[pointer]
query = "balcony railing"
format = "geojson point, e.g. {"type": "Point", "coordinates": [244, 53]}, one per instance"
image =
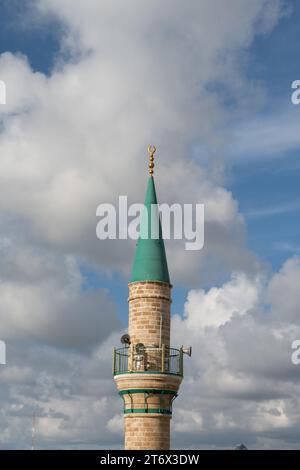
{"type": "Point", "coordinates": [162, 360]}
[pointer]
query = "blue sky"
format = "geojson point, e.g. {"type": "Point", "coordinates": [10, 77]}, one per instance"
{"type": "Point", "coordinates": [267, 189]}
{"type": "Point", "coordinates": [39, 43]}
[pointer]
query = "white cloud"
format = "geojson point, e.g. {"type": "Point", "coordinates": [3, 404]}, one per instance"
{"type": "Point", "coordinates": [287, 280]}
{"type": "Point", "coordinates": [240, 378]}
{"type": "Point", "coordinates": [78, 137]}
{"type": "Point", "coordinates": [267, 137]}
{"type": "Point", "coordinates": [239, 384]}
{"type": "Point", "coordinates": [219, 305]}
{"type": "Point", "coordinates": [188, 420]}
{"type": "Point", "coordinates": [274, 210]}
{"type": "Point", "coordinates": [116, 424]}
{"type": "Point", "coordinates": [43, 299]}
{"type": "Point", "coordinates": [71, 394]}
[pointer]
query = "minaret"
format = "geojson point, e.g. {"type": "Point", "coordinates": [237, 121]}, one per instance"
{"type": "Point", "coordinates": [147, 370]}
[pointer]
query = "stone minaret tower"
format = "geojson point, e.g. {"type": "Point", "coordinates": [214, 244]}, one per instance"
{"type": "Point", "coordinates": [147, 370]}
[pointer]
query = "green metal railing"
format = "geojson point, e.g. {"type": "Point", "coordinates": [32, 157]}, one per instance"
{"type": "Point", "coordinates": [164, 360]}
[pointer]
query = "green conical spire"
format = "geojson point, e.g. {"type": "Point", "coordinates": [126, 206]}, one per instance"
{"type": "Point", "coordinates": [150, 263]}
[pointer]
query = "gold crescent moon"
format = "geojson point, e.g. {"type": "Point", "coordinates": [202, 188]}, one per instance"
{"type": "Point", "coordinates": [151, 150]}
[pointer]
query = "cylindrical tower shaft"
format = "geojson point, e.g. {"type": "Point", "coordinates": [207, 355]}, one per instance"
{"type": "Point", "coordinates": [150, 432]}
{"type": "Point", "coordinates": [149, 313]}
{"type": "Point", "coordinates": [148, 371]}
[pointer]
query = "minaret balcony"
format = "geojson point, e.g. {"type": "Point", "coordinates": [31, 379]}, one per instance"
{"type": "Point", "coordinates": [148, 360]}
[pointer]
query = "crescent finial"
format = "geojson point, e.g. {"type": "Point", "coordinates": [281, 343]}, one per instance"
{"type": "Point", "coordinates": [151, 152]}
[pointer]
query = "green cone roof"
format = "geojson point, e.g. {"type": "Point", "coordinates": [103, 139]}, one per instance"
{"type": "Point", "coordinates": [150, 262]}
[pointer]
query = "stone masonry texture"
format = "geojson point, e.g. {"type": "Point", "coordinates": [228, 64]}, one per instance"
{"type": "Point", "coordinates": [149, 324]}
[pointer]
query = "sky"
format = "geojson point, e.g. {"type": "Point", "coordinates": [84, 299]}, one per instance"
{"type": "Point", "coordinates": [88, 88]}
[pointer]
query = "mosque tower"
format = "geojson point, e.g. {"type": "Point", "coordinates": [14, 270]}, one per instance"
{"type": "Point", "coordinates": [147, 370]}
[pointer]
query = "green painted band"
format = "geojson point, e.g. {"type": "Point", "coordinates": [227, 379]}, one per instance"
{"type": "Point", "coordinates": [148, 390]}
{"type": "Point", "coordinates": [148, 372]}
{"type": "Point", "coordinates": [162, 411]}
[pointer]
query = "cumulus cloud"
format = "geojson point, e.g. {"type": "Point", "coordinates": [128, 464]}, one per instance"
{"type": "Point", "coordinates": [287, 280]}
{"type": "Point", "coordinates": [240, 379]}
{"type": "Point", "coordinates": [239, 384]}
{"type": "Point", "coordinates": [219, 305]}
{"type": "Point", "coordinates": [76, 138]}
{"type": "Point", "coordinates": [70, 393]}
{"type": "Point", "coordinates": [43, 299]}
